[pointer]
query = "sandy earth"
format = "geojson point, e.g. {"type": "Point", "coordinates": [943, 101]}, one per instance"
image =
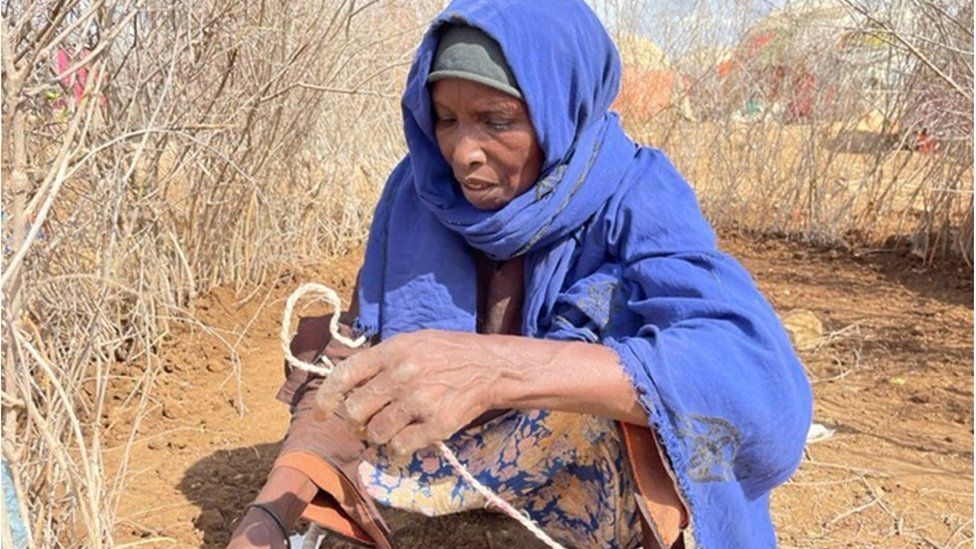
{"type": "Point", "coordinates": [893, 376]}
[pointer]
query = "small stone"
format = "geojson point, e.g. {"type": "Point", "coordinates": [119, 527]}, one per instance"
{"type": "Point", "coordinates": [919, 398]}
{"type": "Point", "coordinates": [805, 329]}
{"type": "Point", "coordinates": [209, 521]}
{"type": "Point", "coordinates": [154, 444]}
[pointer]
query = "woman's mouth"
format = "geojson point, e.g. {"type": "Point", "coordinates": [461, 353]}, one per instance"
{"type": "Point", "coordinates": [476, 185]}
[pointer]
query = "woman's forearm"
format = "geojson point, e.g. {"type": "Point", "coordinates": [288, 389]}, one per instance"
{"type": "Point", "coordinates": [559, 375]}
{"type": "Point", "coordinates": [418, 388]}
{"type": "Point", "coordinates": [286, 493]}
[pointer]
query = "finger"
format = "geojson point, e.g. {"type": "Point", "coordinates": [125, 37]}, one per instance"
{"type": "Point", "coordinates": [387, 423]}
{"type": "Point", "coordinates": [344, 377]}
{"type": "Point", "coordinates": [366, 400]}
{"type": "Point", "coordinates": [412, 438]}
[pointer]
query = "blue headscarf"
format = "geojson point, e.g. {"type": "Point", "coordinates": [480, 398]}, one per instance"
{"type": "Point", "coordinates": [616, 252]}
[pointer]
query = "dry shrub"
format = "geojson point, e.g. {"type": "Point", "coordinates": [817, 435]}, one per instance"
{"type": "Point", "coordinates": [151, 151]}
{"type": "Point", "coordinates": [845, 121]}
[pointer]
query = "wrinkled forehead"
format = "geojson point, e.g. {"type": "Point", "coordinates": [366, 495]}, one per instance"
{"type": "Point", "coordinates": [568, 75]}
{"type": "Point", "coordinates": [461, 95]}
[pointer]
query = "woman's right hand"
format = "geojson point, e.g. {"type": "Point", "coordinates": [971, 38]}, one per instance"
{"type": "Point", "coordinates": [257, 530]}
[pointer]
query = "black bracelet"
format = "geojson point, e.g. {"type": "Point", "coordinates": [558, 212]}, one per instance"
{"type": "Point", "coordinates": [281, 525]}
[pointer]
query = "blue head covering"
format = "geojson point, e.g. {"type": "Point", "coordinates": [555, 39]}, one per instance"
{"type": "Point", "coordinates": [616, 252]}
{"type": "Point", "coordinates": [568, 83]}
{"type": "Point", "coordinates": [568, 76]}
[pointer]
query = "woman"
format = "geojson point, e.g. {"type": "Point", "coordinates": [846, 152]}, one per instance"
{"type": "Point", "coordinates": [544, 296]}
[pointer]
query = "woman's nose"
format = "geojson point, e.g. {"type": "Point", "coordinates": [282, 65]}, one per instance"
{"type": "Point", "coordinates": [469, 149]}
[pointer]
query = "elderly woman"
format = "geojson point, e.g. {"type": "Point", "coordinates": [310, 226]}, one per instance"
{"type": "Point", "coordinates": [543, 295]}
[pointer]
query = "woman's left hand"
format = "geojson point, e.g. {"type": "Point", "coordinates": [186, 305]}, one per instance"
{"type": "Point", "coordinates": [415, 389]}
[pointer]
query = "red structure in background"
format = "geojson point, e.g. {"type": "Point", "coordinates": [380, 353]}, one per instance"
{"type": "Point", "coordinates": [777, 77]}
{"type": "Point", "coordinates": [645, 93]}
{"type": "Point", "coordinates": [76, 82]}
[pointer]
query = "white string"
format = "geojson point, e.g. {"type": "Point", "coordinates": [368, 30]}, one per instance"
{"type": "Point", "coordinates": [327, 294]}
{"type": "Point", "coordinates": [494, 499]}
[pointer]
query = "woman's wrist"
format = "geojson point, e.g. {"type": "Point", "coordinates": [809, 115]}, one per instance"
{"type": "Point", "coordinates": [503, 356]}
{"type": "Point", "coordinates": [287, 492]}
{"type": "Point", "coordinates": [570, 376]}
{"type": "Point", "coordinates": [530, 372]}
{"type": "Point", "coordinates": [257, 530]}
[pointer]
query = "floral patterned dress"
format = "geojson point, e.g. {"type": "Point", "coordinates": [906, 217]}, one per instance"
{"type": "Point", "coordinates": [566, 471]}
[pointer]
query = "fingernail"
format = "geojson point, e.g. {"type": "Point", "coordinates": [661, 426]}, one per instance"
{"type": "Point", "coordinates": [373, 439]}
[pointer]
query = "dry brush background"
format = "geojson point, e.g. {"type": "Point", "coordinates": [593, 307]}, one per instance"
{"type": "Point", "coordinates": [155, 149]}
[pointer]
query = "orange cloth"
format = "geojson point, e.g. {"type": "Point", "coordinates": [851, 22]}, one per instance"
{"type": "Point", "coordinates": [661, 508]}
{"type": "Point", "coordinates": [340, 505]}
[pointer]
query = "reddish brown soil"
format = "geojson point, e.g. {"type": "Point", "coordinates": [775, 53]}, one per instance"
{"type": "Point", "coordinates": [894, 378]}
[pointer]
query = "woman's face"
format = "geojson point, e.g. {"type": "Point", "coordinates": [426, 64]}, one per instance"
{"type": "Point", "coordinates": [487, 138]}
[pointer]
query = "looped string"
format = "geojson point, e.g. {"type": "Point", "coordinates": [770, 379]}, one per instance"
{"type": "Point", "coordinates": [327, 294]}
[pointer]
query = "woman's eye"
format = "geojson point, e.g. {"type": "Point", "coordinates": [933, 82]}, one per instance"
{"type": "Point", "coordinates": [444, 120]}
{"type": "Point", "coordinates": [499, 125]}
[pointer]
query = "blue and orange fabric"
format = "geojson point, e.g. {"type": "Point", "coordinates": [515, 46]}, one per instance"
{"type": "Point", "coordinates": [566, 471]}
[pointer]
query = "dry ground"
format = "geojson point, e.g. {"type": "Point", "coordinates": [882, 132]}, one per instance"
{"type": "Point", "coordinates": [893, 377]}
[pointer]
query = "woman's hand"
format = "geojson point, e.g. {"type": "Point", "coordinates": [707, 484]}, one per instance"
{"type": "Point", "coordinates": [415, 389]}
{"type": "Point", "coordinates": [419, 388]}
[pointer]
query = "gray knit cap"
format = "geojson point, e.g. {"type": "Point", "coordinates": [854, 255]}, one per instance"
{"type": "Point", "coordinates": [468, 53]}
